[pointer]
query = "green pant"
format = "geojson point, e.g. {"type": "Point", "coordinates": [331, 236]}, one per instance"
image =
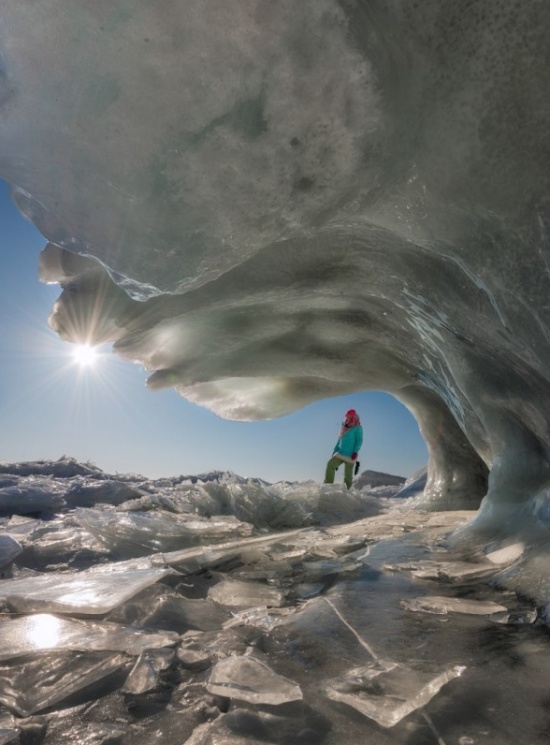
{"type": "Point", "coordinates": [333, 465]}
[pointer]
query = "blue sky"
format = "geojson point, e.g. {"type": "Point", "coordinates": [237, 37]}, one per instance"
{"type": "Point", "coordinates": [50, 406]}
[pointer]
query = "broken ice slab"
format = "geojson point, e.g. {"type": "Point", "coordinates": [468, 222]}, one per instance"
{"type": "Point", "coordinates": [9, 549]}
{"type": "Point", "coordinates": [61, 544]}
{"type": "Point", "coordinates": [31, 686]}
{"type": "Point", "coordinates": [249, 679]}
{"type": "Point", "coordinates": [315, 569]}
{"type": "Point", "coordinates": [192, 654]}
{"type": "Point", "coordinates": [516, 618]}
{"type": "Point", "coordinates": [429, 567]}
{"type": "Point", "coordinates": [237, 594]}
{"type": "Point", "coordinates": [139, 533]}
{"type": "Point", "coordinates": [86, 494]}
{"type": "Point", "coordinates": [337, 502]}
{"type": "Point", "coordinates": [160, 607]}
{"type": "Point", "coordinates": [201, 735]}
{"type": "Point", "coordinates": [386, 691]}
{"type": "Point", "coordinates": [266, 569]}
{"type": "Point", "coordinates": [21, 525]}
{"type": "Point", "coordinates": [308, 590]}
{"type": "Point", "coordinates": [86, 732]}
{"type": "Point", "coordinates": [44, 632]}
{"type": "Point", "coordinates": [90, 592]}
{"type": "Point", "coordinates": [455, 571]}
{"type": "Point", "coordinates": [246, 725]}
{"type": "Point", "coordinates": [199, 557]}
{"type": "Point", "coordinates": [442, 605]}
{"type": "Point", "coordinates": [130, 534]}
{"type": "Point", "coordinates": [452, 571]}
{"type": "Point", "coordinates": [144, 676]}
{"type": "Point", "coordinates": [260, 617]}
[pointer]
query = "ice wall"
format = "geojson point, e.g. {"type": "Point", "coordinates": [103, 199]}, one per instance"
{"type": "Point", "coordinates": [271, 203]}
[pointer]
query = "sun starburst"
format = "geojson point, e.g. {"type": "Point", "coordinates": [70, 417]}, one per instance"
{"type": "Point", "coordinates": [85, 355]}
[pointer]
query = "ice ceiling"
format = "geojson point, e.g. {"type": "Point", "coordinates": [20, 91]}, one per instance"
{"type": "Point", "coordinates": [272, 203]}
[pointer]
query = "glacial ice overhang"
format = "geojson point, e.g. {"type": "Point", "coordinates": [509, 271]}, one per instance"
{"type": "Point", "coordinates": [270, 203]}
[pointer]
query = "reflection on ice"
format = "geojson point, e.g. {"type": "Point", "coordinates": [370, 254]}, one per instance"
{"type": "Point", "coordinates": [42, 631]}
{"type": "Point", "coordinates": [37, 633]}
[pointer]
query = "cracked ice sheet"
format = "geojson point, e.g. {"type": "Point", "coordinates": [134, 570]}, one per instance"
{"type": "Point", "coordinates": [387, 692]}
{"type": "Point", "coordinates": [44, 632]}
{"type": "Point", "coordinates": [90, 592]}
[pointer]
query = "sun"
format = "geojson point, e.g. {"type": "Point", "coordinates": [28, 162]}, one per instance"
{"type": "Point", "coordinates": [85, 355]}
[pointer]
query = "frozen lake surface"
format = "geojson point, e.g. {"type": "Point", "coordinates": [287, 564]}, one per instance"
{"type": "Point", "coordinates": [157, 613]}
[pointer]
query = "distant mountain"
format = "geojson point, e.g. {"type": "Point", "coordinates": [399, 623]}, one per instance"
{"type": "Point", "coordinates": [377, 478]}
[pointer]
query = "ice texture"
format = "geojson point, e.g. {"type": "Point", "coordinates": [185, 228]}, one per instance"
{"type": "Point", "coordinates": [249, 679]}
{"type": "Point", "coordinates": [8, 735]}
{"type": "Point", "coordinates": [442, 605]}
{"type": "Point", "coordinates": [129, 534]}
{"type": "Point", "coordinates": [144, 676]}
{"type": "Point", "coordinates": [89, 592]}
{"type": "Point", "coordinates": [387, 692]}
{"type": "Point", "coordinates": [9, 549]}
{"type": "Point", "coordinates": [29, 687]}
{"type": "Point", "coordinates": [259, 634]}
{"type": "Point", "coordinates": [26, 499]}
{"type": "Point", "coordinates": [245, 594]}
{"type": "Point", "coordinates": [340, 197]}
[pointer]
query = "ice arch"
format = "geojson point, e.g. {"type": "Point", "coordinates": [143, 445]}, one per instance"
{"type": "Point", "coordinates": [270, 203]}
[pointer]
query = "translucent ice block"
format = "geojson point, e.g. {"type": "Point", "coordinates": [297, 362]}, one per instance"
{"type": "Point", "coordinates": [387, 692]}
{"type": "Point", "coordinates": [441, 605]}
{"type": "Point", "coordinates": [88, 592]}
{"type": "Point", "coordinates": [238, 594]}
{"type": "Point", "coordinates": [9, 549]}
{"type": "Point", "coordinates": [248, 679]}
{"type": "Point", "coordinates": [29, 687]}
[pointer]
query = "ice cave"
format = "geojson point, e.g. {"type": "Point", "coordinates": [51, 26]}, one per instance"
{"type": "Point", "coordinates": [340, 196]}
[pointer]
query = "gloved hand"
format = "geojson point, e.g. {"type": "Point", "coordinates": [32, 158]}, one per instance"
{"type": "Point", "coordinates": [354, 456]}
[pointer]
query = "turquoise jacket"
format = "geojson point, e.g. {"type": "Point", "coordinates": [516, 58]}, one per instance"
{"type": "Point", "coordinates": [350, 442]}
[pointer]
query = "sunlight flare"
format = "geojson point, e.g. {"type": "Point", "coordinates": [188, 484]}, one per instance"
{"type": "Point", "coordinates": [85, 355]}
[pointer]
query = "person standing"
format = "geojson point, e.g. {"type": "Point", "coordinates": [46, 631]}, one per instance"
{"type": "Point", "coordinates": [347, 449]}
